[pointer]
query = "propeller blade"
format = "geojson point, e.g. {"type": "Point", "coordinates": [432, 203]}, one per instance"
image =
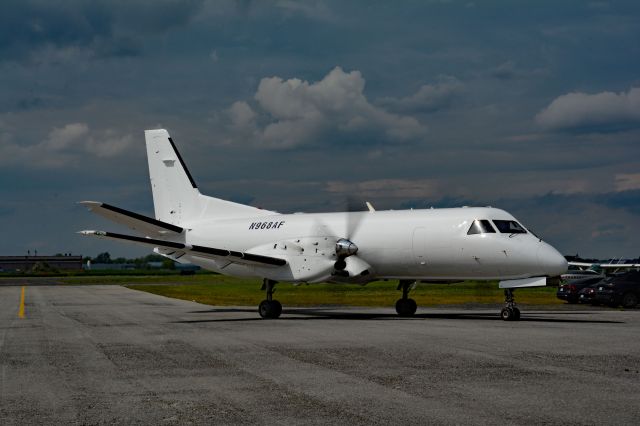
{"type": "Point", "coordinates": [356, 209]}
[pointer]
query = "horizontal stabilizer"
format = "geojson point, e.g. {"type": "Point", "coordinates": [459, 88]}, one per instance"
{"type": "Point", "coordinates": [194, 250]}
{"type": "Point", "coordinates": [525, 282]}
{"type": "Point", "coordinates": [143, 224]}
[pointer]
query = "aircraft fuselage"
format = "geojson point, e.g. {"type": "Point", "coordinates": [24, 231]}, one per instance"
{"type": "Point", "coordinates": [431, 244]}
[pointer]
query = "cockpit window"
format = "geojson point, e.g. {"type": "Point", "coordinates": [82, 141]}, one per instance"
{"type": "Point", "coordinates": [481, 227]}
{"type": "Point", "coordinates": [509, 227]}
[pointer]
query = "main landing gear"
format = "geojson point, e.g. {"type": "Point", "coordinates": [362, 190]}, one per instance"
{"type": "Point", "coordinates": [269, 308]}
{"type": "Point", "coordinates": [510, 312]}
{"type": "Point", "coordinates": [406, 307]}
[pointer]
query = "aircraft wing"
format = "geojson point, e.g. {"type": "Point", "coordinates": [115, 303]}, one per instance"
{"type": "Point", "coordinates": [606, 265]}
{"type": "Point", "coordinates": [620, 265]}
{"type": "Point", "coordinates": [143, 224]}
{"type": "Point", "coordinates": [195, 250]}
{"type": "Point", "coordinates": [582, 264]}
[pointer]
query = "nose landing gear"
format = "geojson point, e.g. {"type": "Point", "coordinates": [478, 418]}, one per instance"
{"type": "Point", "coordinates": [269, 308]}
{"type": "Point", "coordinates": [406, 307]}
{"type": "Point", "coordinates": [510, 312]}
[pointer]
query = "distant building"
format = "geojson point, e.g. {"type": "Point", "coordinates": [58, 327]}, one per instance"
{"type": "Point", "coordinates": [27, 263]}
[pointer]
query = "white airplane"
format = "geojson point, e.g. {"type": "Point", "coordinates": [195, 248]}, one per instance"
{"type": "Point", "coordinates": [434, 245]}
{"type": "Point", "coordinates": [585, 268]}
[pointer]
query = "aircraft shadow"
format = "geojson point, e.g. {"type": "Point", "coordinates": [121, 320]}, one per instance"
{"type": "Point", "coordinates": [306, 314]}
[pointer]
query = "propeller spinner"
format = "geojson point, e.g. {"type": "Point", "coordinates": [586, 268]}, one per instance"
{"type": "Point", "coordinates": [344, 249]}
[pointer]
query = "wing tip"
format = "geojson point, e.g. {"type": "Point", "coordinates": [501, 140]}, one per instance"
{"type": "Point", "coordinates": [90, 204]}
{"type": "Point", "coordinates": [91, 232]}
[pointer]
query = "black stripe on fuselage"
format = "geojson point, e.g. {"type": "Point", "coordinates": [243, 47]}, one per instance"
{"type": "Point", "coordinates": [201, 249]}
{"type": "Point", "coordinates": [184, 166]}
{"type": "Point", "coordinates": [142, 218]}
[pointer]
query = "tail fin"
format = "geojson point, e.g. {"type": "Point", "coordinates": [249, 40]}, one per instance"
{"type": "Point", "coordinates": [176, 198]}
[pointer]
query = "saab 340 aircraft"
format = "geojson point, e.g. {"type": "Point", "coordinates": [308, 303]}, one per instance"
{"type": "Point", "coordinates": [411, 246]}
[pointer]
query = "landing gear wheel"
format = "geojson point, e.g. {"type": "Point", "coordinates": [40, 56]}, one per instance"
{"type": "Point", "coordinates": [406, 307]}
{"type": "Point", "coordinates": [270, 309]}
{"type": "Point", "coordinates": [510, 312]}
{"type": "Point", "coordinates": [507, 314]}
{"type": "Point", "coordinates": [277, 306]}
{"type": "Point", "coordinates": [516, 314]}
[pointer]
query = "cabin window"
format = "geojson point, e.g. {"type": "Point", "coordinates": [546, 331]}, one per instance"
{"type": "Point", "coordinates": [481, 227]}
{"type": "Point", "coordinates": [509, 227]}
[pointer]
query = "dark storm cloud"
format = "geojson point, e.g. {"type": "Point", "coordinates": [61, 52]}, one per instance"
{"type": "Point", "coordinates": [101, 28]}
{"type": "Point", "coordinates": [624, 200]}
{"type": "Point", "coordinates": [294, 106]}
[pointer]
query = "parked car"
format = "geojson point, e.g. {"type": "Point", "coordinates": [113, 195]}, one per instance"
{"type": "Point", "coordinates": [622, 290]}
{"type": "Point", "coordinates": [569, 291]}
{"type": "Point", "coordinates": [588, 293]}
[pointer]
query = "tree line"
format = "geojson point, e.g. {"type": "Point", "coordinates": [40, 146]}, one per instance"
{"type": "Point", "coordinates": [139, 262]}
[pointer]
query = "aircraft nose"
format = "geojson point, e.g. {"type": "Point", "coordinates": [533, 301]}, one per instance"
{"type": "Point", "coordinates": [551, 261]}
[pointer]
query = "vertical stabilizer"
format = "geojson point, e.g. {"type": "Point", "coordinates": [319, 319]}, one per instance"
{"type": "Point", "coordinates": [175, 193]}
{"type": "Point", "coordinates": [176, 198]}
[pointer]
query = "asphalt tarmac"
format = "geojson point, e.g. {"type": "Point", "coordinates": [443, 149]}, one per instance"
{"type": "Point", "coordinates": [110, 355]}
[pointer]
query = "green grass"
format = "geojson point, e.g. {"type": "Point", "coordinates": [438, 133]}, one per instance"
{"type": "Point", "coordinates": [222, 290]}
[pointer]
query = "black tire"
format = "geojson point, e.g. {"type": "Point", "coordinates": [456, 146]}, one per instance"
{"type": "Point", "coordinates": [572, 300]}
{"type": "Point", "coordinates": [414, 306]}
{"type": "Point", "coordinates": [507, 314]}
{"type": "Point", "coordinates": [629, 300]}
{"type": "Point", "coordinates": [406, 307]}
{"type": "Point", "coordinates": [516, 314]}
{"type": "Point", "coordinates": [270, 309]}
{"type": "Point", "coordinates": [264, 309]}
{"type": "Point", "coordinates": [277, 308]}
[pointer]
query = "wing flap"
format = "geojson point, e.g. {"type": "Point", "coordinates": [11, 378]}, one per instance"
{"type": "Point", "coordinates": [140, 223]}
{"type": "Point", "coordinates": [202, 251]}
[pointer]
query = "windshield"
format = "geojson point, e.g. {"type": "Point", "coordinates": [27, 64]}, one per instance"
{"type": "Point", "coordinates": [509, 227]}
{"type": "Point", "coordinates": [480, 227]}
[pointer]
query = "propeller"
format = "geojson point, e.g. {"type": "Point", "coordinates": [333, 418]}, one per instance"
{"type": "Point", "coordinates": [347, 262]}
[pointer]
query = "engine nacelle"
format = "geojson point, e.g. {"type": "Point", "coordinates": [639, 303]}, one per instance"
{"type": "Point", "coordinates": [356, 267]}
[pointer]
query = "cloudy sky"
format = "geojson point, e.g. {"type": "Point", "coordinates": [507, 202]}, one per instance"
{"type": "Point", "coordinates": [294, 106]}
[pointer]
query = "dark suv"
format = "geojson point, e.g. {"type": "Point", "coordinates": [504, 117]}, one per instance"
{"type": "Point", "coordinates": [588, 294]}
{"type": "Point", "coordinates": [569, 291]}
{"type": "Point", "coordinates": [620, 290]}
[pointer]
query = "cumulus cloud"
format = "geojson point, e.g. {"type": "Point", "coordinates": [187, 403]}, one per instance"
{"type": "Point", "coordinates": [429, 98]}
{"type": "Point", "coordinates": [241, 115]}
{"type": "Point", "coordinates": [295, 112]}
{"type": "Point", "coordinates": [63, 146]}
{"type": "Point", "coordinates": [603, 111]}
